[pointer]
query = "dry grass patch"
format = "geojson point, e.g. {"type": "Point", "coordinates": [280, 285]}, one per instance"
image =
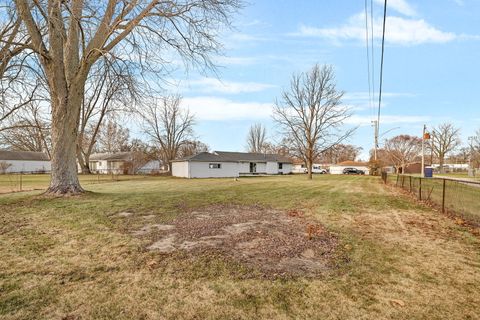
{"type": "Point", "coordinates": [276, 243]}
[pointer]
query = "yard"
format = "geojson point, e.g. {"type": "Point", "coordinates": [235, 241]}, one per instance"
{"type": "Point", "coordinates": [337, 247]}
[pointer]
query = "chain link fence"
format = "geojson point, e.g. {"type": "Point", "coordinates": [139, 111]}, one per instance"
{"type": "Point", "coordinates": [460, 197]}
{"type": "Point", "coordinates": [27, 181]}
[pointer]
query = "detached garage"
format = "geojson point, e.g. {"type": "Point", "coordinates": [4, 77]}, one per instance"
{"type": "Point", "coordinates": [221, 164]}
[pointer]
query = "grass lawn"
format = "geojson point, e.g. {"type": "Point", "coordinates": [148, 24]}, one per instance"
{"type": "Point", "coordinates": [84, 257]}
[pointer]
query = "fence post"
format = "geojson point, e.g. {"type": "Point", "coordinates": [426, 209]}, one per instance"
{"type": "Point", "coordinates": [419, 188]}
{"type": "Point", "coordinates": [396, 183]}
{"type": "Point", "coordinates": [443, 196]}
{"type": "Point", "coordinates": [410, 183]}
{"type": "Point", "coordinates": [403, 181]}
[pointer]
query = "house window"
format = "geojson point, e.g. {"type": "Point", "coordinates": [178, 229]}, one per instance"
{"type": "Point", "coordinates": [214, 165]}
{"type": "Point", "coordinates": [280, 166]}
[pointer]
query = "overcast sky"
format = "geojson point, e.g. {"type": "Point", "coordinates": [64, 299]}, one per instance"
{"type": "Point", "coordinates": [431, 67]}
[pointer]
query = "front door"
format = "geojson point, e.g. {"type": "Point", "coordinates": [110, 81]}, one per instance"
{"type": "Point", "coordinates": [253, 167]}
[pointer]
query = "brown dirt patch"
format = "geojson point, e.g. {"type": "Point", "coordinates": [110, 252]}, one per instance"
{"type": "Point", "coordinates": [274, 242]}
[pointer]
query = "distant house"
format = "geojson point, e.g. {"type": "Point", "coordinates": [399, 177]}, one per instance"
{"type": "Point", "coordinates": [300, 167]}
{"type": "Point", "coordinates": [24, 161]}
{"type": "Point", "coordinates": [111, 163]}
{"type": "Point", "coordinates": [151, 167]}
{"type": "Point", "coordinates": [339, 167]}
{"type": "Point", "coordinates": [220, 164]}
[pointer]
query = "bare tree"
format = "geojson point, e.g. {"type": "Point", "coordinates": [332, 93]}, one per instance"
{"type": "Point", "coordinates": [445, 138]}
{"type": "Point", "coordinates": [341, 152]}
{"type": "Point", "coordinates": [256, 138]}
{"type": "Point", "coordinates": [192, 147]}
{"type": "Point", "coordinates": [311, 115]}
{"type": "Point", "coordinates": [28, 130]}
{"type": "Point", "coordinates": [110, 89]}
{"type": "Point", "coordinates": [17, 85]}
{"type": "Point", "coordinates": [112, 137]}
{"type": "Point", "coordinates": [69, 37]}
{"type": "Point", "coordinates": [168, 125]}
{"type": "Point", "coordinates": [402, 150]}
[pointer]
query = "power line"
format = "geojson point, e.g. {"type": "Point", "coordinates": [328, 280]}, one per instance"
{"type": "Point", "coordinates": [372, 51]}
{"type": "Point", "coordinates": [381, 64]}
{"type": "Point", "coordinates": [368, 56]}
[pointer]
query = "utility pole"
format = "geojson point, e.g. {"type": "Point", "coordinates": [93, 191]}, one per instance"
{"type": "Point", "coordinates": [375, 147]}
{"type": "Point", "coordinates": [471, 171]}
{"type": "Point", "coordinates": [423, 150]}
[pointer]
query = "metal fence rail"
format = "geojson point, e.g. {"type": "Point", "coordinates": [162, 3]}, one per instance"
{"type": "Point", "coordinates": [26, 181]}
{"type": "Point", "coordinates": [461, 197]}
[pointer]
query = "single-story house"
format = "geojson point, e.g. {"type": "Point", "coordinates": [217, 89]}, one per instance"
{"type": "Point", "coordinates": [222, 164]}
{"type": "Point", "coordinates": [151, 167]}
{"type": "Point", "coordinates": [111, 163]}
{"type": "Point", "coordinates": [24, 161]}
{"type": "Point", "coordinates": [339, 167]}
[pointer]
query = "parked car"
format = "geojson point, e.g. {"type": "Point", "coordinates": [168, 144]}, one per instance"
{"type": "Point", "coordinates": [317, 169]}
{"type": "Point", "coordinates": [352, 171]}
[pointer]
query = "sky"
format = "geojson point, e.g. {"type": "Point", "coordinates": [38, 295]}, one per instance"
{"type": "Point", "coordinates": [431, 67]}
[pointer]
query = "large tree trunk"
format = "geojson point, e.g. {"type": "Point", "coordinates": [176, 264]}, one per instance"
{"type": "Point", "coordinates": [441, 162]}
{"type": "Point", "coordinates": [64, 177]}
{"type": "Point", "coordinates": [309, 169]}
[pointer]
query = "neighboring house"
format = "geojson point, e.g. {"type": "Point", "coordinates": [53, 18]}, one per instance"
{"type": "Point", "coordinates": [111, 163]}
{"type": "Point", "coordinates": [221, 164]}
{"type": "Point", "coordinates": [300, 167]}
{"type": "Point", "coordinates": [151, 167]}
{"type": "Point", "coordinates": [24, 161]}
{"type": "Point", "coordinates": [338, 168]}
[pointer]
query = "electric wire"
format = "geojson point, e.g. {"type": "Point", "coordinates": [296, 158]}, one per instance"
{"type": "Point", "coordinates": [367, 40]}
{"type": "Point", "coordinates": [381, 66]}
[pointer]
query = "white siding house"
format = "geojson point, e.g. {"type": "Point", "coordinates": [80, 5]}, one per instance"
{"type": "Point", "coordinates": [111, 163]}
{"type": "Point", "coordinates": [221, 164]}
{"type": "Point", "coordinates": [24, 161]}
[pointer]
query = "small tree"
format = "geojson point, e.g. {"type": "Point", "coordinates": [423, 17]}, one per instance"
{"type": "Point", "coordinates": [445, 138]}
{"type": "Point", "coordinates": [402, 150]}
{"type": "Point", "coordinates": [256, 138]}
{"type": "Point", "coordinates": [4, 167]}
{"type": "Point", "coordinates": [113, 137]}
{"type": "Point", "coordinates": [168, 125]}
{"type": "Point", "coordinates": [192, 147]}
{"type": "Point", "coordinates": [311, 115]}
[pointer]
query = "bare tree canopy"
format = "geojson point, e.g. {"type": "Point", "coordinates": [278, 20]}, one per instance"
{"type": "Point", "coordinates": [257, 138]}
{"type": "Point", "coordinates": [112, 138]}
{"type": "Point", "coordinates": [311, 115]}
{"type": "Point", "coordinates": [445, 138]}
{"type": "Point", "coordinates": [402, 150]}
{"type": "Point", "coordinates": [110, 89]}
{"type": "Point", "coordinates": [168, 125]}
{"type": "Point", "coordinates": [341, 152]}
{"type": "Point", "coordinates": [192, 147]}
{"type": "Point", "coordinates": [69, 37]}
{"type": "Point", "coordinates": [28, 130]}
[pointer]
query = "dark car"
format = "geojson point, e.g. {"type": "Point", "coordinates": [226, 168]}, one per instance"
{"type": "Point", "coordinates": [352, 171]}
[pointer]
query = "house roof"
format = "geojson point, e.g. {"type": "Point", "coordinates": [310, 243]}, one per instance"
{"type": "Point", "coordinates": [225, 156]}
{"type": "Point", "coordinates": [117, 156]}
{"type": "Point", "coordinates": [352, 163]}
{"type": "Point", "coordinates": [23, 155]}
